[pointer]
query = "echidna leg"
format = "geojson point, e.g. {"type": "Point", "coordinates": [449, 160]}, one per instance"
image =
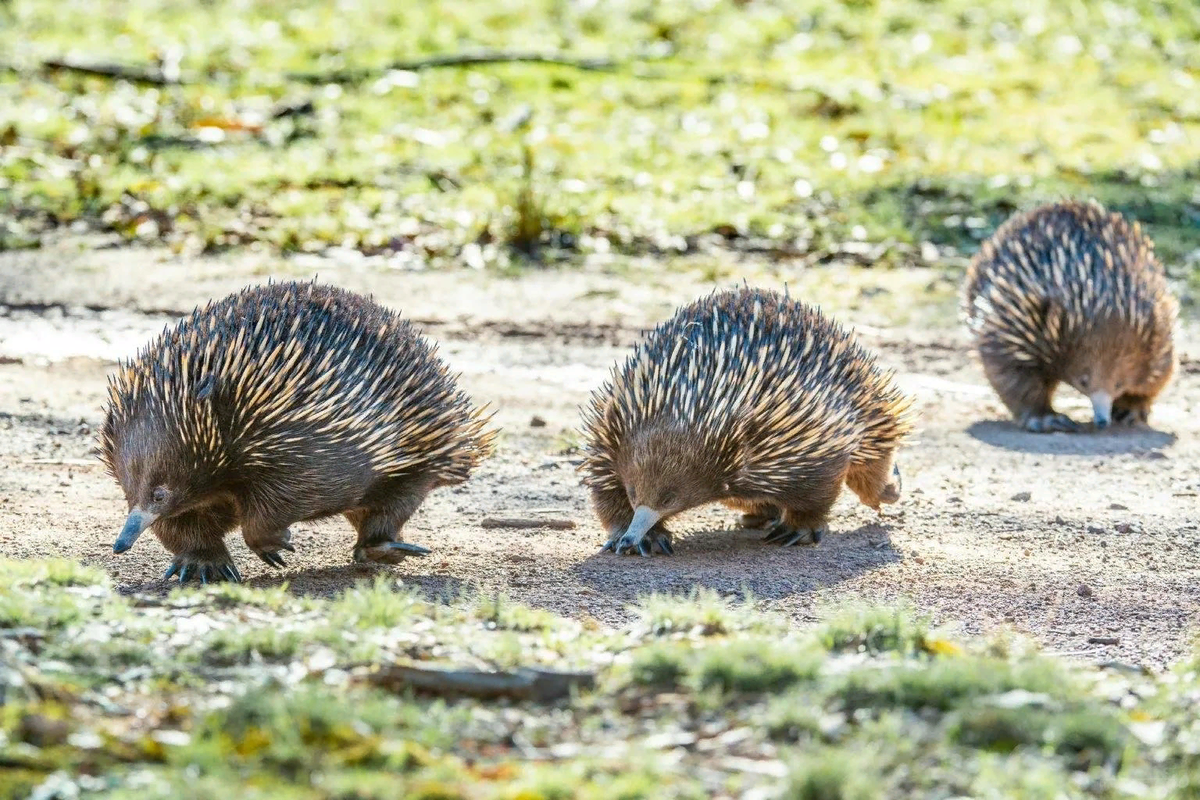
{"type": "Point", "coordinates": [379, 530]}
{"type": "Point", "coordinates": [197, 540]}
{"type": "Point", "coordinates": [806, 523]}
{"type": "Point", "coordinates": [755, 514]}
{"type": "Point", "coordinates": [875, 482]}
{"type": "Point", "coordinates": [266, 537]}
{"type": "Point", "coordinates": [1027, 394]}
{"type": "Point", "coordinates": [1131, 409]}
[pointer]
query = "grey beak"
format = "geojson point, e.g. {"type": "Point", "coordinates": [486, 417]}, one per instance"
{"type": "Point", "coordinates": [1101, 409]}
{"type": "Point", "coordinates": [137, 522]}
{"type": "Point", "coordinates": [644, 518]}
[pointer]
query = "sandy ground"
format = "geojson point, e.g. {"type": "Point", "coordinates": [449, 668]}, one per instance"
{"type": "Point", "coordinates": [1066, 538]}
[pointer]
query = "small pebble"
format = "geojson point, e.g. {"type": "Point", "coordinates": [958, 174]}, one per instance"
{"type": "Point", "coordinates": [1022, 497]}
{"type": "Point", "coordinates": [537, 422]}
{"type": "Point", "coordinates": [1124, 527]}
{"type": "Point", "coordinates": [1084, 590]}
{"type": "Point", "coordinates": [1117, 507]}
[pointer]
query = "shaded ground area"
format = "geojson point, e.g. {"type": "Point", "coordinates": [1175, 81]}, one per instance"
{"type": "Point", "coordinates": [1067, 538]}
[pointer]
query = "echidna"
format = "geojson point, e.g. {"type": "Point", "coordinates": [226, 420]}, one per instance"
{"type": "Point", "coordinates": [1070, 293]}
{"type": "Point", "coordinates": [283, 403]}
{"type": "Point", "coordinates": [748, 398]}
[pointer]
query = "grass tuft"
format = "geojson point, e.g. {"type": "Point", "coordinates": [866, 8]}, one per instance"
{"type": "Point", "coordinates": [705, 612]}
{"type": "Point", "coordinates": [874, 630]}
{"type": "Point", "coordinates": [831, 774]}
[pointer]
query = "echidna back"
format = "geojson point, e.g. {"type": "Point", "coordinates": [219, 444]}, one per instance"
{"type": "Point", "coordinates": [1064, 267]}
{"type": "Point", "coordinates": [274, 374]}
{"type": "Point", "coordinates": [752, 360]}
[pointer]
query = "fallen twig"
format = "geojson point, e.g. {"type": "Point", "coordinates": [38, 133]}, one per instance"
{"type": "Point", "coordinates": [154, 76]}
{"type": "Point", "coordinates": [1103, 640]}
{"type": "Point", "coordinates": [527, 522]}
{"type": "Point", "coordinates": [455, 60]}
{"type": "Point", "coordinates": [524, 684]}
{"type": "Point", "coordinates": [64, 462]}
{"type": "Point", "coordinates": [147, 75]}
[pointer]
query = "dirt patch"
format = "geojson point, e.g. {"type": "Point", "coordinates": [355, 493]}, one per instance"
{"type": "Point", "coordinates": [1066, 538]}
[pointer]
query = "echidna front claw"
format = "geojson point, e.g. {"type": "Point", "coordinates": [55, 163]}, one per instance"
{"type": "Point", "coordinates": [657, 539]}
{"type": "Point", "coordinates": [209, 566]}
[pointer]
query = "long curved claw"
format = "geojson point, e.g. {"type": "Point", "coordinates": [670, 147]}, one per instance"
{"type": "Point", "coordinates": [786, 536]}
{"type": "Point", "coordinates": [389, 552]}
{"type": "Point", "coordinates": [212, 569]}
{"type": "Point", "coordinates": [271, 557]}
{"type": "Point", "coordinates": [645, 546]}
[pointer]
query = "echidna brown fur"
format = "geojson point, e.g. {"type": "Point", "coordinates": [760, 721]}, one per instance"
{"type": "Point", "coordinates": [283, 403]}
{"type": "Point", "coordinates": [1071, 293]}
{"type": "Point", "coordinates": [748, 398]}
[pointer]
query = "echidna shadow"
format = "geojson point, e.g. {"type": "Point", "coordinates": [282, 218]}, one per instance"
{"type": "Point", "coordinates": [335, 578]}
{"type": "Point", "coordinates": [731, 559]}
{"type": "Point", "coordinates": [1112, 441]}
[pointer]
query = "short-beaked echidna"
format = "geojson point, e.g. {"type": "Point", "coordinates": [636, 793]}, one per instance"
{"type": "Point", "coordinates": [1070, 293]}
{"type": "Point", "coordinates": [278, 404]}
{"type": "Point", "coordinates": [751, 399]}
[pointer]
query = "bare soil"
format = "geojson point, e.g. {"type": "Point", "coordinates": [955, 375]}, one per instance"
{"type": "Point", "coordinates": [1065, 538]}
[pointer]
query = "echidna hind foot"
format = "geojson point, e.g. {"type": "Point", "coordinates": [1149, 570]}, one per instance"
{"type": "Point", "coordinates": [379, 532]}
{"type": "Point", "coordinates": [265, 540]}
{"type": "Point", "coordinates": [755, 520]}
{"type": "Point", "coordinates": [797, 527]}
{"type": "Point", "coordinates": [1047, 422]}
{"type": "Point", "coordinates": [785, 535]}
{"type": "Point", "coordinates": [1131, 410]}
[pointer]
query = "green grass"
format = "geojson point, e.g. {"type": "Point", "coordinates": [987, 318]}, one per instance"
{"type": "Point", "coordinates": [853, 132]}
{"type": "Point", "coordinates": [259, 693]}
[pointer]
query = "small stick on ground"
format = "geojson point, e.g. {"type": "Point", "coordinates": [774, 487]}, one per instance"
{"type": "Point", "coordinates": [527, 522]}
{"type": "Point", "coordinates": [456, 60]}
{"type": "Point", "coordinates": [523, 684]}
{"type": "Point", "coordinates": [122, 72]}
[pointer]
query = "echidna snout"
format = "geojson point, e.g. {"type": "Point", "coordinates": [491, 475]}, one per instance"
{"type": "Point", "coordinates": [661, 478]}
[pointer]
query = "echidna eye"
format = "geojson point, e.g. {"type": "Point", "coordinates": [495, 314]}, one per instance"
{"type": "Point", "coordinates": [668, 498]}
{"type": "Point", "coordinates": [1083, 381]}
{"type": "Point", "coordinates": [160, 495]}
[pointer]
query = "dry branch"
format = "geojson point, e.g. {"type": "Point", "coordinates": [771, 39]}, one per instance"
{"type": "Point", "coordinates": [121, 72]}
{"type": "Point", "coordinates": [527, 522]}
{"type": "Point", "coordinates": [524, 684]}
{"type": "Point", "coordinates": [455, 60]}
{"type": "Point", "coordinates": [157, 77]}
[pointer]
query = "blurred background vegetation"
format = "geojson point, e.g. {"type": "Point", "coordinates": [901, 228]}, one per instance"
{"type": "Point", "coordinates": [877, 132]}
